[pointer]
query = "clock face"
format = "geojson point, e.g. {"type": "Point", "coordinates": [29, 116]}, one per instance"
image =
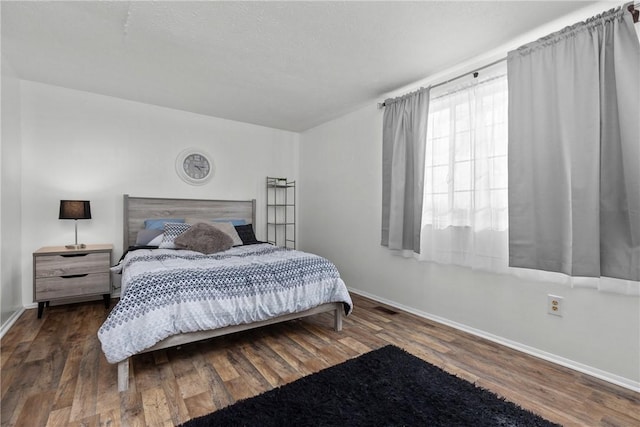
{"type": "Point", "coordinates": [194, 166]}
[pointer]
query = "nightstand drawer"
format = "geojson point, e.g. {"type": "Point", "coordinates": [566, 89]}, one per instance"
{"type": "Point", "coordinates": [68, 265]}
{"type": "Point", "coordinates": [51, 288]}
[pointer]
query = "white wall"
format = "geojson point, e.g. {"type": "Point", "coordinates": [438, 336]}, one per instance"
{"type": "Point", "coordinates": [10, 196]}
{"type": "Point", "coordinates": [81, 145]}
{"type": "Point", "coordinates": [340, 199]}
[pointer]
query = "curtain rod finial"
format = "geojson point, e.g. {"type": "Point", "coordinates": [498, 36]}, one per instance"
{"type": "Point", "coordinates": [634, 12]}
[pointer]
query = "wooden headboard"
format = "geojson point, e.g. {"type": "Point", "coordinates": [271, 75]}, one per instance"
{"type": "Point", "coordinates": [137, 209]}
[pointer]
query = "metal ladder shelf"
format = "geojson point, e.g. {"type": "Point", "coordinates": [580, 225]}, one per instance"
{"type": "Point", "coordinates": [281, 212]}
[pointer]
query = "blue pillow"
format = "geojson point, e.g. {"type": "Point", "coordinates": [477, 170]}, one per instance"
{"type": "Point", "coordinates": [233, 221]}
{"type": "Point", "coordinates": [158, 224]}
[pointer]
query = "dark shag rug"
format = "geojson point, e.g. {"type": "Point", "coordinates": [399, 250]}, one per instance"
{"type": "Point", "coordinates": [386, 387]}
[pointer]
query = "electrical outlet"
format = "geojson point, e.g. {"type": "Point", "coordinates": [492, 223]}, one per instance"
{"type": "Point", "coordinates": [554, 305]}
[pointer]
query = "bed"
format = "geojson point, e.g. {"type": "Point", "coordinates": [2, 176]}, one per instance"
{"type": "Point", "coordinates": [173, 297]}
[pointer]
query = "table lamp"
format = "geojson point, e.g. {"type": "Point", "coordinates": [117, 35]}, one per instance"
{"type": "Point", "coordinates": [75, 209]}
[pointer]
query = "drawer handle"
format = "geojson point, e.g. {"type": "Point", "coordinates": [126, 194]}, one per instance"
{"type": "Point", "coordinates": [73, 255]}
{"type": "Point", "coordinates": [71, 276]}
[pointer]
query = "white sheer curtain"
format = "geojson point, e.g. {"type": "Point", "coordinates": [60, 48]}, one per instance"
{"type": "Point", "coordinates": [465, 206]}
{"type": "Point", "coordinates": [574, 152]}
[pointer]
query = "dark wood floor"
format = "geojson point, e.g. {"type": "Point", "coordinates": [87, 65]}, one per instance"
{"type": "Point", "coordinates": [54, 372]}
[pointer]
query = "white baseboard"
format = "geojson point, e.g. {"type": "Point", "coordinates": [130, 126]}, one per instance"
{"type": "Point", "coordinates": [559, 360]}
{"type": "Point", "coordinates": [10, 321]}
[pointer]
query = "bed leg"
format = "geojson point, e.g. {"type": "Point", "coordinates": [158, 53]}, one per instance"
{"type": "Point", "coordinates": [338, 319]}
{"type": "Point", "coordinates": [123, 375]}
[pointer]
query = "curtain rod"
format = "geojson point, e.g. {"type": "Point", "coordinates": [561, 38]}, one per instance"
{"type": "Point", "coordinates": [474, 72]}
{"type": "Point", "coordinates": [631, 8]}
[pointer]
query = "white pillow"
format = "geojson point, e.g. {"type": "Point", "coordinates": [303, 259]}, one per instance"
{"type": "Point", "coordinates": [229, 229]}
{"type": "Point", "coordinates": [156, 240]}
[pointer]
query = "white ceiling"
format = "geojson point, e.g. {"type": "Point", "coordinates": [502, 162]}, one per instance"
{"type": "Point", "coordinates": [286, 65]}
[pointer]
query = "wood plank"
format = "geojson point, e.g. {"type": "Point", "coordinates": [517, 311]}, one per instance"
{"type": "Point", "coordinates": [223, 366]}
{"type": "Point", "coordinates": [19, 392]}
{"type": "Point", "coordinates": [288, 355]}
{"type": "Point", "coordinates": [250, 382]}
{"type": "Point", "coordinates": [175, 403]}
{"type": "Point", "coordinates": [285, 371]}
{"type": "Point", "coordinates": [189, 381]}
{"type": "Point", "coordinates": [262, 366]}
{"type": "Point", "coordinates": [69, 378]}
{"type": "Point", "coordinates": [86, 392]}
{"type": "Point", "coordinates": [131, 408]}
{"type": "Point", "coordinates": [12, 365]}
{"type": "Point", "coordinates": [36, 409]}
{"type": "Point", "coordinates": [199, 405]}
{"type": "Point", "coordinates": [156, 407]}
{"type": "Point", "coordinates": [110, 418]}
{"type": "Point", "coordinates": [59, 417]}
{"type": "Point", "coordinates": [356, 345]}
{"type": "Point", "coordinates": [219, 392]}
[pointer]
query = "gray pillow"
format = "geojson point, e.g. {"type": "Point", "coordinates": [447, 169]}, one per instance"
{"type": "Point", "coordinates": [147, 235]}
{"type": "Point", "coordinates": [204, 238]}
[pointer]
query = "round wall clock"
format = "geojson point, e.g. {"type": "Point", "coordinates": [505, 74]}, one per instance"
{"type": "Point", "coordinates": [194, 166]}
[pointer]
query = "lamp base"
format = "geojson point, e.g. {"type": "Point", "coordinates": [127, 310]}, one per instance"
{"type": "Point", "coordinates": [76, 246]}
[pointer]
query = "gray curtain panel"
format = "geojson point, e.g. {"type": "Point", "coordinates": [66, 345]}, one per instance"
{"type": "Point", "coordinates": [403, 147]}
{"type": "Point", "coordinates": [574, 150]}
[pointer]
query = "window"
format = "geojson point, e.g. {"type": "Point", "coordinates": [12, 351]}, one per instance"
{"type": "Point", "coordinates": [465, 184]}
{"type": "Point", "coordinates": [465, 209]}
{"type": "Point", "coordinates": [466, 157]}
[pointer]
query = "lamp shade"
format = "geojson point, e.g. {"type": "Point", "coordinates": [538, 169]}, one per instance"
{"type": "Point", "coordinates": [75, 209]}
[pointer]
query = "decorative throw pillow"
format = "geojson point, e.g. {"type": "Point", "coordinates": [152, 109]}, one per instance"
{"type": "Point", "coordinates": [171, 231]}
{"type": "Point", "coordinates": [204, 238]}
{"type": "Point", "coordinates": [228, 228]}
{"type": "Point", "coordinates": [246, 234]}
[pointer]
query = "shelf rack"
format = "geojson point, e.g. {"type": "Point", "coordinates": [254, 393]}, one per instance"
{"type": "Point", "coordinates": [281, 212]}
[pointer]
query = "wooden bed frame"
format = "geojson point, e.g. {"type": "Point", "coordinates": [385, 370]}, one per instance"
{"type": "Point", "coordinates": [137, 209]}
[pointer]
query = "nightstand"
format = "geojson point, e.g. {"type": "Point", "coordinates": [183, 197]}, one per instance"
{"type": "Point", "coordinates": [61, 273]}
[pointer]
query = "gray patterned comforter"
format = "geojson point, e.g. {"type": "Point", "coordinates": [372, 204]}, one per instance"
{"type": "Point", "coordinates": [165, 292]}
